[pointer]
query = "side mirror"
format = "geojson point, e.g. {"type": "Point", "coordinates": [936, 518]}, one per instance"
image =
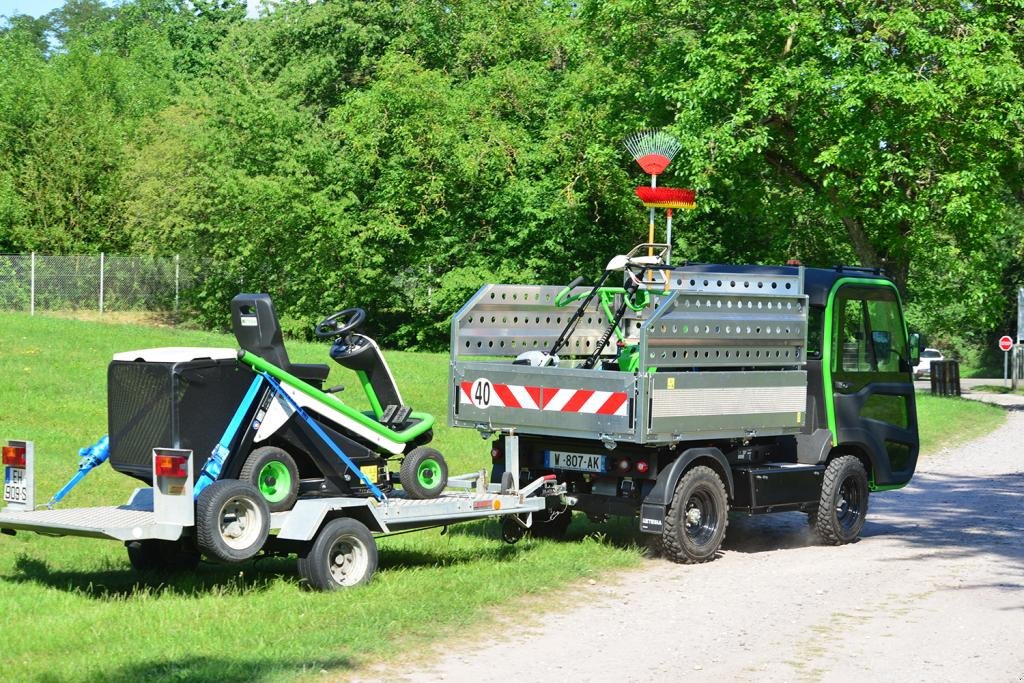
{"type": "Point", "coordinates": [915, 347]}
{"type": "Point", "coordinates": [882, 342]}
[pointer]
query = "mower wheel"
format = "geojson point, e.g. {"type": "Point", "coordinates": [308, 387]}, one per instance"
{"type": "Point", "coordinates": [844, 501]}
{"type": "Point", "coordinates": [274, 474]}
{"type": "Point", "coordinates": [696, 520]}
{"type": "Point", "coordinates": [342, 555]}
{"type": "Point", "coordinates": [424, 473]}
{"type": "Point", "coordinates": [232, 520]}
{"type": "Point", "coordinates": [155, 555]}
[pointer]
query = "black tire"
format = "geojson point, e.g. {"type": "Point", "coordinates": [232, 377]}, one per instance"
{"type": "Point", "coordinates": [155, 555]}
{"type": "Point", "coordinates": [342, 555]}
{"type": "Point", "coordinates": [274, 474]}
{"type": "Point", "coordinates": [546, 524]}
{"type": "Point", "coordinates": [695, 522]}
{"type": "Point", "coordinates": [843, 505]}
{"type": "Point", "coordinates": [424, 473]}
{"type": "Point", "coordinates": [511, 530]}
{"type": "Point", "coordinates": [232, 520]}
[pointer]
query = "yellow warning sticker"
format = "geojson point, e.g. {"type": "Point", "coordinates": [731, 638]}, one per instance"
{"type": "Point", "coordinates": [671, 382]}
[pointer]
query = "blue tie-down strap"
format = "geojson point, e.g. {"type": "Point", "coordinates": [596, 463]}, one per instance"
{"type": "Point", "coordinates": [377, 493]}
{"type": "Point", "coordinates": [211, 469]}
{"type": "Point", "coordinates": [91, 457]}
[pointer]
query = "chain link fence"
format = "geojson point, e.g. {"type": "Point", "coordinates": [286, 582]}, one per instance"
{"type": "Point", "coordinates": [45, 282]}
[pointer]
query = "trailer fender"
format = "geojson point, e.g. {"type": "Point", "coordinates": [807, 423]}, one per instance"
{"type": "Point", "coordinates": [652, 510]}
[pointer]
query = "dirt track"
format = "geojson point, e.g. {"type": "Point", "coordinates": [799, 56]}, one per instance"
{"type": "Point", "coordinates": [934, 590]}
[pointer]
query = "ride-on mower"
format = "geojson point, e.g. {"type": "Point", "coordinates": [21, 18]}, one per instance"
{"type": "Point", "coordinates": [180, 394]}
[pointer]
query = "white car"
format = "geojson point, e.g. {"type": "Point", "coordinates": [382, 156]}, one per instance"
{"type": "Point", "coordinates": [924, 365]}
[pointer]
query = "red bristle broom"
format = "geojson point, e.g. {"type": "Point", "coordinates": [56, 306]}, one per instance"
{"type": "Point", "coordinates": [654, 151]}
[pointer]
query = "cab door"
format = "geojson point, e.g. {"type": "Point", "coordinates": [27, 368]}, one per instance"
{"type": "Point", "coordinates": [867, 375]}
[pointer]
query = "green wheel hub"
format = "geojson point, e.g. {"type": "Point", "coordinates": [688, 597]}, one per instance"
{"type": "Point", "coordinates": [275, 481]}
{"type": "Point", "coordinates": [428, 473]}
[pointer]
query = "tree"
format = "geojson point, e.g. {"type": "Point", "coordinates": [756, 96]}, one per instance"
{"type": "Point", "coordinates": [876, 128]}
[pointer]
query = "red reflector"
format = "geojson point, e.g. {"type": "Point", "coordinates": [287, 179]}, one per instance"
{"type": "Point", "coordinates": [173, 466]}
{"type": "Point", "coordinates": [642, 467]}
{"type": "Point", "coordinates": [497, 454]}
{"type": "Point", "coordinates": [14, 456]}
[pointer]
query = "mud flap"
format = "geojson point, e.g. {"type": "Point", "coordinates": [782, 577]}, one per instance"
{"type": "Point", "coordinates": [652, 518]}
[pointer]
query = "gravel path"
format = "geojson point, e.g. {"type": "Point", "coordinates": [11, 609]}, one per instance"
{"type": "Point", "coordinates": [934, 590]}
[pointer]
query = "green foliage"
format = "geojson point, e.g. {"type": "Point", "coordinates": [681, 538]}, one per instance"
{"type": "Point", "coordinates": [396, 156]}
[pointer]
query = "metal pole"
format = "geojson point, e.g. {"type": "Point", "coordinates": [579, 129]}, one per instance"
{"type": "Point", "coordinates": [1006, 366]}
{"type": "Point", "coordinates": [177, 280]}
{"type": "Point", "coordinates": [32, 287]}
{"type": "Point", "coordinates": [101, 282]}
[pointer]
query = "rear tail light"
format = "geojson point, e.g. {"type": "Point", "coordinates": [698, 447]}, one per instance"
{"type": "Point", "coordinates": [14, 456]}
{"type": "Point", "coordinates": [642, 467]}
{"type": "Point", "coordinates": [497, 454]}
{"type": "Point", "coordinates": [623, 465]}
{"type": "Point", "coordinates": [173, 466]}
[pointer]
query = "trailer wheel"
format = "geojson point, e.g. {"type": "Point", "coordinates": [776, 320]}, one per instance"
{"type": "Point", "coordinates": [274, 473]}
{"type": "Point", "coordinates": [424, 473]}
{"type": "Point", "coordinates": [155, 555]}
{"type": "Point", "coordinates": [232, 520]}
{"type": "Point", "coordinates": [511, 530]}
{"type": "Point", "coordinates": [343, 554]}
{"type": "Point", "coordinates": [696, 520]}
{"type": "Point", "coordinates": [844, 501]}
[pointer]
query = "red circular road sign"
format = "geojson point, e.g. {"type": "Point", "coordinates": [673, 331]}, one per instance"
{"type": "Point", "coordinates": [1005, 343]}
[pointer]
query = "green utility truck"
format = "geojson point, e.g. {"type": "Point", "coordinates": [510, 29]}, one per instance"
{"type": "Point", "coordinates": [744, 389]}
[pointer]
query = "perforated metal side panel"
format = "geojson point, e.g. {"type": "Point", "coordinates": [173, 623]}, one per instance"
{"type": "Point", "coordinates": [506, 320]}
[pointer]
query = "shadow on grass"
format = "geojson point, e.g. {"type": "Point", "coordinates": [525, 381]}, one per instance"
{"type": "Point", "coordinates": [249, 666]}
{"type": "Point", "coordinates": [254, 576]}
{"type": "Point", "coordinates": [620, 532]}
{"type": "Point", "coordinates": [118, 583]}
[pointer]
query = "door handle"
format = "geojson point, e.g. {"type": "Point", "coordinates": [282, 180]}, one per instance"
{"type": "Point", "coordinates": [842, 386]}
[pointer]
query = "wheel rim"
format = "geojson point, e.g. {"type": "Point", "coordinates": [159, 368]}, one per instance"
{"type": "Point", "coordinates": [274, 481]}
{"type": "Point", "coordinates": [348, 560]}
{"type": "Point", "coordinates": [428, 474]}
{"type": "Point", "coordinates": [700, 517]}
{"type": "Point", "coordinates": [240, 523]}
{"type": "Point", "coordinates": [850, 503]}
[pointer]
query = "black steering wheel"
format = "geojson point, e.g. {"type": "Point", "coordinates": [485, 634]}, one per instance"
{"type": "Point", "coordinates": [340, 323]}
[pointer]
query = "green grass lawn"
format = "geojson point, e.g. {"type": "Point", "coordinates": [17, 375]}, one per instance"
{"type": "Point", "coordinates": [81, 613]}
{"type": "Point", "coordinates": [945, 421]}
{"type": "Point", "coordinates": [73, 610]}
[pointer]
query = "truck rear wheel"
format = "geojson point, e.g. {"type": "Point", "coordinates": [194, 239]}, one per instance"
{"type": "Point", "coordinates": [547, 524]}
{"type": "Point", "coordinates": [696, 520]}
{"type": "Point", "coordinates": [232, 520]}
{"type": "Point", "coordinates": [274, 473]}
{"type": "Point", "coordinates": [843, 505]}
{"type": "Point", "coordinates": [343, 555]}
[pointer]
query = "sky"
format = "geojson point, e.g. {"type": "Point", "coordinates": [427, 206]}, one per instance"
{"type": "Point", "coordinates": [37, 8]}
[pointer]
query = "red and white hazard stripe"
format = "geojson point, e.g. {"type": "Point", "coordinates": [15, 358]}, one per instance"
{"type": "Point", "coordinates": [583, 401]}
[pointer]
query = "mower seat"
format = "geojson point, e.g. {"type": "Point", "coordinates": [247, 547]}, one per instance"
{"type": "Point", "coordinates": [258, 331]}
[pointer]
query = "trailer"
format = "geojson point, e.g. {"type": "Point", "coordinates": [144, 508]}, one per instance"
{"type": "Point", "coordinates": [333, 537]}
{"type": "Point", "coordinates": [742, 389]}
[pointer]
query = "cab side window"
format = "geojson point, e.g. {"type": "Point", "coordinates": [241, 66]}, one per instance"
{"type": "Point", "coordinates": [868, 333]}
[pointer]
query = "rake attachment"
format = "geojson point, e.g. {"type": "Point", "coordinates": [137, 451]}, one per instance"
{"type": "Point", "coordinates": [653, 150]}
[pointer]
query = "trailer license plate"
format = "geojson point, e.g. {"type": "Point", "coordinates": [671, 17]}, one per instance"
{"type": "Point", "coordinates": [15, 490]}
{"type": "Point", "coordinates": [581, 462]}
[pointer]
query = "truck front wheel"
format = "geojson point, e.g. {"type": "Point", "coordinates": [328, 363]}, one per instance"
{"type": "Point", "coordinates": [696, 520]}
{"type": "Point", "coordinates": [843, 505]}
